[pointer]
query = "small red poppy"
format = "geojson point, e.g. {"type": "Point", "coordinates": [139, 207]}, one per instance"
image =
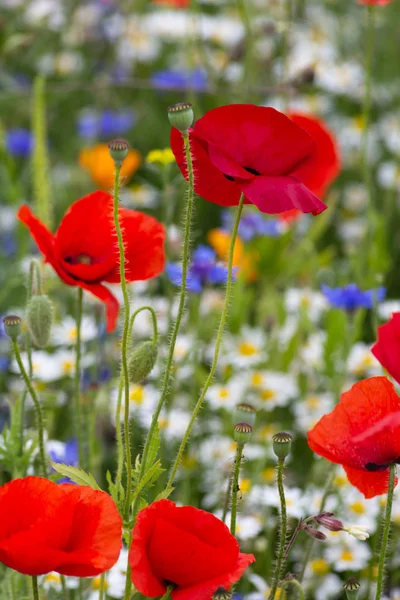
{"type": "Point", "coordinates": [185, 547]}
{"type": "Point", "coordinates": [362, 434]}
{"type": "Point", "coordinates": [84, 249]}
{"type": "Point", "coordinates": [375, 2]}
{"type": "Point", "coordinates": [71, 529]}
{"type": "Point", "coordinates": [387, 348]}
{"type": "Point", "coordinates": [253, 150]}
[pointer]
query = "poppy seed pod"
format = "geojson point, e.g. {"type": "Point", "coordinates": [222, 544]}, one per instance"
{"type": "Point", "coordinates": [242, 433]}
{"type": "Point", "coordinates": [119, 150]}
{"type": "Point", "coordinates": [181, 116]}
{"type": "Point", "coordinates": [222, 594]}
{"type": "Point", "coordinates": [281, 444]}
{"type": "Point", "coordinates": [244, 413]}
{"type": "Point", "coordinates": [12, 326]}
{"type": "Point", "coordinates": [39, 317]}
{"type": "Point", "coordinates": [352, 588]}
{"type": "Point", "coordinates": [141, 362]}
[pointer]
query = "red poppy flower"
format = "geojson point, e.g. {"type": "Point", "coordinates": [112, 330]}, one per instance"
{"type": "Point", "coordinates": [71, 529]}
{"type": "Point", "coordinates": [387, 348]}
{"type": "Point", "coordinates": [375, 2]}
{"type": "Point", "coordinates": [320, 172]}
{"type": "Point", "coordinates": [252, 150]}
{"type": "Point", "coordinates": [84, 249]}
{"type": "Point", "coordinates": [185, 547]}
{"type": "Point", "coordinates": [362, 434]}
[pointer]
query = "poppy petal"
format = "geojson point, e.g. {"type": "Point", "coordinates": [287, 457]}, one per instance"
{"type": "Point", "coordinates": [42, 236]}
{"type": "Point", "coordinates": [387, 348]}
{"type": "Point", "coordinates": [209, 182]}
{"type": "Point", "coordinates": [370, 484]}
{"type": "Point", "coordinates": [110, 301]}
{"type": "Point", "coordinates": [273, 195]}
{"type": "Point", "coordinates": [256, 137]}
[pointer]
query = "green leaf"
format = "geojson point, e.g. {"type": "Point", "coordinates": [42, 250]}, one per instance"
{"type": "Point", "coordinates": [149, 478]}
{"type": "Point", "coordinates": [153, 447]}
{"type": "Point", "coordinates": [76, 475]}
{"type": "Point", "coordinates": [164, 494]}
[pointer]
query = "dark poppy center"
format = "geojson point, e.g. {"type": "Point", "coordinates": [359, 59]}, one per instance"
{"type": "Point", "coordinates": [372, 467]}
{"type": "Point", "coordinates": [170, 584]}
{"type": "Point", "coordinates": [80, 259]}
{"type": "Point", "coordinates": [252, 171]}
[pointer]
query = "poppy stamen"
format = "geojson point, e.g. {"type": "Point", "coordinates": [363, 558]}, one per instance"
{"type": "Point", "coordinates": [252, 171]}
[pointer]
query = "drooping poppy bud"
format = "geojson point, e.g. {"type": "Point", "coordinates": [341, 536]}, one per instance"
{"type": "Point", "coordinates": [39, 318]}
{"type": "Point", "coordinates": [142, 360]}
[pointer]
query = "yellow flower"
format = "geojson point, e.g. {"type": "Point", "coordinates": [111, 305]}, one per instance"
{"type": "Point", "coordinates": [98, 162]}
{"type": "Point", "coordinates": [164, 157]}
{"type": "Point", "coordinates": [246, 262]}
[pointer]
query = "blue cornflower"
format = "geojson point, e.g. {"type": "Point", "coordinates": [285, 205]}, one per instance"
{"type": "Point", "coordinates": [204, 269]}
{"type": "Point", "coordinates": [350, 297]}
{"type": "Point", "coordinates": [196, 79]}
{"type": "Point", "coordinates": [19, 142]}
{"type": "Point", "coordinates": [106, 124]}
{"type": "Point", "coordinates": [8, 244]}
{"type": "Point", "coordinates": [64, 453]}
{"type": "Point", "coordinates": [253, 225]}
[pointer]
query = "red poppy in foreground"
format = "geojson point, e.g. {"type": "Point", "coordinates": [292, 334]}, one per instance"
{"type": "Point", "coordinates": [185, 547]}
{"type": "Point", "coordinates": [362, 434]}
{"type": "Point", "coordinates": [84, 249]}
{"type": "Point", "coordinates": [253, 150]}
{"type": "Point", "coordinates": [387, 348]}
{"type": "Point", "coordinates": [71, 529]}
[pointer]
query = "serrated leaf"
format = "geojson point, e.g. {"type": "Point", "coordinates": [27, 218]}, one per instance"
{"type": "Point", "coordinates": [117, 492]}
{"type": "Point", "coordinates": [153, 447]}
{"type": "Point", "coordinates": [76, 475]}
{"type": "Point", "coordinates": [149, 478]}
{"type": "Point", "coordinates": [164, 494]}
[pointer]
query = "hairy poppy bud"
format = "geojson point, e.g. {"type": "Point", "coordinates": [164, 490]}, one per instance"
{"type": "Point", "coordinates": [119, 150]}
{"type": "Point", "coordinates": [39, 317]}
{"type": "Point", "coordinates": [352, 588]}
{"type": "Point", "coordinates": [327, 520]}
{"type": "Point", "coordinates": [181, 116]}
{"type": "Point", "coordinates": [244, 413]}
{"type": "Point", "coordinates": [222, 594]}
{"type": "Point", "coordinates": [314, 533]}
{"type": "Point", "coordinates": [141, 361]}
{"type": "Point", "coordinates": [242, 433]}
{"type": "Point", "coordinates": [12, 326]}
{"type": "Point", "coordinates": [281, 444]}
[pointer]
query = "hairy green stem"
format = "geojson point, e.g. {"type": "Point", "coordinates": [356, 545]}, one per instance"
{"type": "Point", "coordinates": [218, 341]}
{"type": "Point", "coordinates": [296, 584]}
{"type": "Point", "coordinates": [77, 381]}
{"type": "Point", "coordinates": [128, 582]}
{"type": "Point", "coordinates": [102, 586]}
{"type": "Point", "coordinates": [282, 532]}
{"type": "Point", "coordinates": [120, 388]}
{"type": "Point", "coordinates": [35, 588]}
{"type": "Point", "coordinates": [181, 308]}
{"type": "Point", "coordinates": [386, 530]}
{"type": "Point", "coordinates": [235, 487]}
{"type": "Point", "coordinates": [124, 349]}
{"type": "Point", "coordinates": [38, 408]}
{"type": "Point", "coordinates": [227, 498]}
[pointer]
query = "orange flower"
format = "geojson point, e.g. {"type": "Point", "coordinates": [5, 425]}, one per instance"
{"type": "Point", "coordinates": [245, 261]}
{"type": "Point", "coordinates": [98, 162]}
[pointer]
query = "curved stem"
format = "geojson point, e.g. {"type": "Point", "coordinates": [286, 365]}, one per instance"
{"type": "Point", "coordinates": [124, 349]}
{"type": "Point", "coordinates": [235, 487]}
{"type": "Point", "coordinates": [77, 380]}
{"type": "Point", "coordinates": [296, 584]}
{"type": "Point", "coordinates": [282, 532]}
{"type": "Point", "coordinates": [39, 415]}
{"type": "Point", "coordinates": [120, 388]}
{"type": "Point", "coordinates": [218, 341]}
{"type": "Point", "coordinates": [181, 307]}
{"type": "Point", "coordinates": [386, 530]}
{"type": "Point", "coordinates": [35, 587]}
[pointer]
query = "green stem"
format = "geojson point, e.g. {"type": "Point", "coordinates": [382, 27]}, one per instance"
{"type": "Point", "coordinates": [167, 593]}
{"type": "Point", "coordinates": [218, 341]}
{"type": "Point", "coordinates": [327, 491]}
{"type": "Point", "coordinates": [386, 530]}
{"type": "Point", "coordinates": [235, 487]}
{"type": "Point", "coordinates": [120, 388]}
{"type": "Point", "coordinates": [39, 415]}
{"type": "Point", "coordinates": [227, 498]}
{"type": "Point", "coordinates": [367, 98]}
{"type": "Point", "coordinates": [124, 350]}
{"type": "Point", "coordinates": [282, 532]}
{"type": "Point", "coordinates": [181, 308]}
{"type": "Point", "coordinates": [296, 584]}
{"type": "Point", "coordinates": [77, 380]}
{"type": "Point", "coordinates": [128, 582]}
{"type": "Point", "coordinates": [64, 587]}
{"type": "Point", "coordinates": [102, 586]}
{"type": "Point", "coordinates": [35, 587]}
{"type": "Point", "coordinates": [243, 6]}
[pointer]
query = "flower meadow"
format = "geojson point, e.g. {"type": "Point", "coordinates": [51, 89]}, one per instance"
{"type": "Point", "coordinates": [199, 301]}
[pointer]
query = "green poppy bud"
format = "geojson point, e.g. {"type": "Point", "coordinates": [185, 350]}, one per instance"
{"type": "Point", "coordinates": [352, 588]}
{"type": "Point", "coordinates": [119, 150]}
{"type": "Point", "coordinates": [281, 444]}
{"type": "Point", "coordinates": [242, 433]}
{"type": "Point", "coordinates": [141, 361]}
{"type": "Point", "coordinates": [181, 116]}
{"type": "Point", "coordinates": [244, 413]}
{"type": "Point", "coordinates": [12, 326]}
{"type": "Point", "coordinates": [39, 318]}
